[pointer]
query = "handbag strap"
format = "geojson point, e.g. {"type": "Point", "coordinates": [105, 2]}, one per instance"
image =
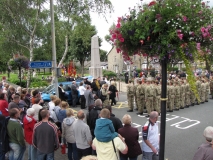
{"type": "Point", "coordinates": [114, 149]}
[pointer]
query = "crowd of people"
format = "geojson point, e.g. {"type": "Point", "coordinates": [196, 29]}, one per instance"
{"type": "Point", "coordinates": [95, 130]}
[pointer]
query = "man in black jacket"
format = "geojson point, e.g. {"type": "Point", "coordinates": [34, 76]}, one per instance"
{"type": "Point", "coordinates": [116, 121]}
{"type": "Point", "coordinates": [93, 115]}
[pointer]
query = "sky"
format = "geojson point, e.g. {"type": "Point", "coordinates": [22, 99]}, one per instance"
{"type": "Point", "coordinates": [120, 8]}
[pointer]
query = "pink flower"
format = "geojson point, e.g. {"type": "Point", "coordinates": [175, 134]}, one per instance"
{"type": "Point", "coordinates": [118, 25]}
{"type": "Point", "coordinates": [119, 36]}
{"type": "Point", "coordinates": [119, 19]}
{"type": "Point", "coordinates": [118, 50]}
{"type": "Point", "coordinates": [198, 46]}
{"type": "Point", "coordinates": [180, 36]}
{"type": "Point", "coordinates": [178, 31]}
{"type": "Point", "coordinates": [121, 39]}
{"type": "Point", "coordinates": [152, 3]}
{"type": "Point", "coordinates": [114, 36]}
{"type": "Point", "coordinates": [202, 29]}
{"type": "Point", "coordinates": [184, 18]}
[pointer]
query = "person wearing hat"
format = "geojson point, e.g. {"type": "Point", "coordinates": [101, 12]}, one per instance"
{"type": "Point", "coordinates": [149, 97]}
{"type": "Point", "coordinates": [130, 96]}
{"type": "Point", "coordinates": [182, 95]}
{"type": "Point", "coordinates": [205, 151]}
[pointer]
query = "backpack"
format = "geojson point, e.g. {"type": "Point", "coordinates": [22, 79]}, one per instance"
{"type": "Point", "coordinates": [4, 138]}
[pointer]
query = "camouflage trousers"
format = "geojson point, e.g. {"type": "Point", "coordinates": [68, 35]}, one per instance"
{"type": "Point", "coordinates": [192, 97]}
{"type": "Point", "coordinates": [130, 99]}
{"type": "Point", "coordinates": [106, 102]}
{"type": "Point", "coordinates": [187, 98]}
{"type": "Point", "coordinates": [177, 102]}
{"type": "Point", "coordinates": [136, 101]}
{"type": "Point", "coordinates": [149, 104]}
{"type": "Point", "coordinates": [140, 103]}
{"type": "Point", "coordinates": [157, 104]}
{"type": "Point", "coordinates": [202, 97]}
{"type": "Point", "coordinates": [182, 100]}
{"type": "Point", "coordinates": [207, 95]}
{"type": "Point", "coordinates": [171, 103]}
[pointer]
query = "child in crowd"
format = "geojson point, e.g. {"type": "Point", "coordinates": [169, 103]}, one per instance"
{"type": "Point", "coordinates": [104, 129]}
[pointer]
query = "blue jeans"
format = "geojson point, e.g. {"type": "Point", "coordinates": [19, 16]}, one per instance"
{"type": "Point", "coordinates": [45, 156]}
{"type": "Point", "coordinates": [72, 151]}
{"type": "Point", "coordinates": [149, 156]}
{"type": "Point", "coordinates": [32, 153]}
{"type": "Point", "coordinates": [16, 152]}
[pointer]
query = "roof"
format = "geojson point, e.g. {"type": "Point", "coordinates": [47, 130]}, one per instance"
{"type": "Point", "coordinates": [110, 50]}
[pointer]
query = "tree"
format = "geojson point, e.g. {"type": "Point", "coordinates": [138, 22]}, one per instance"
{"type": "Point", "coordinates": [103, 55]}
{"type": "Point", "coordinates": [20, 20]}
{"type": "Point", "coordinates": [80, 43]}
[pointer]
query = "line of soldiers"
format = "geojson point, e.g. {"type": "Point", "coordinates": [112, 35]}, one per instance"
{"type": "Point", "coordinates": [147, 94]}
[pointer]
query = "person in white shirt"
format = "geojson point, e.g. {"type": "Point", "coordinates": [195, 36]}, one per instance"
{"type": "Point", "coordinates": [82, 89]}
{"type": "Point", "coordinates": [150, 132]}
{"type": "Point", "coordinates": [51, 103]}
{"type": "Point", "coordinates": [36, 107]}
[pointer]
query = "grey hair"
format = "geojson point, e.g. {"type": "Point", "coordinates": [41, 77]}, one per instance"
{"type": "Point", "coordinates": [127, 119]}
{"type": "Point", "coordinates": [208, 133]}
{"type": "Point", "coordinates": [98, 102]}
{"type": "Point", "coordinates": [153, 114]}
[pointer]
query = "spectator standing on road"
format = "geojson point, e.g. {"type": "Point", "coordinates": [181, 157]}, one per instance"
{"type": "Point", "coordinates": [74, 93]}
{"type": "Point", "coordinates": [116, 121]}
{"type": "Point", "coordinates": [36, 94]}
{"type": "Point", "coordinates": [45, 137]}
{"type": "Point", "coordinates": [51, 103]}
{"type": "Point", "coordinates": [36, 107]}
{"type": "Point", "coordinates": [10, 92]}
{"type": "Point", "coordinates": [93, 115]}
{"type": "Point", "coordinates": [131, 136]}
{"type": "Point", "coordinates": [61, 92]}
{"type": "Point", "coordinates": [105, 95]}
{"type": "Point", "coordinates": [112, 95]}
{"type": "Point", "coordinates": [94, 87]}
{"type": "Point", "coordinates": [205, 151]}
{"type": "Point", "coordinates": [60, 109]}
{"type": "Point", "coordinates": [29, 123]}
{"type": "Point", "coordinates": [3, 105]}
{"type": "Point", "coordinates": [16, 135]}
{"type": "Point", "coordinates": [87, 82]}
{"type": "Point", "coordinates": [82, 89]}
{"type": "Point", "coordinates": [150, 144]}
{"type": "Point", "coordinates": [68, 134]}
{"type": "Point", "coordinates": [89, 97]}
{"type": "Point", "coordinates": [82, 136]}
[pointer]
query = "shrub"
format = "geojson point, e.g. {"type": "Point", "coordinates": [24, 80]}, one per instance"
{"type": "Point", "coordinates": [39, 84]}
{"type": "Point", "coordinates": [62, 79]}
{"type": "Point", "coordinates": [108, 73]}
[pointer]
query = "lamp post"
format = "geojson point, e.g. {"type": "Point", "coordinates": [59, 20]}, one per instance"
{"type": "Point", "coordinates": [55, 77]}
{"type": "Point", "coordinates": [163, 108]}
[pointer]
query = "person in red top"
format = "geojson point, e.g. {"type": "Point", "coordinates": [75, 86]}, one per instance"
{"type": "Point", "coordinates": [3, 105]}
{"type": "Point", "coordinates": [29, 123]}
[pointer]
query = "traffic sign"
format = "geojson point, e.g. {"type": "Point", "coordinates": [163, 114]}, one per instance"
{"type": "Point", "coordinates": [40, 64]}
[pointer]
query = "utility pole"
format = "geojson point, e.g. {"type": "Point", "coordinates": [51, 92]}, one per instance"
{"type": "Point", "coordinates": [54, 68]}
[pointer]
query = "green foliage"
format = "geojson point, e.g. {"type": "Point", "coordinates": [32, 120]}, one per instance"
{"type": "Point", "coordinates": [108, 73]}
{"type": "Point", "coordinates": [62, 79]}
{"type": "Point", "coordinates": [16, 81]}
{"type": "Point", "coordinates": [172, 68]}
{"type": "Point", "coordinates": [38, 84]}
{"type": "Point", "coordinates": [103, 55]}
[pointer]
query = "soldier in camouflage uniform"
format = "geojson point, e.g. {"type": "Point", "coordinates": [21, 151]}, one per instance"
{"type": "Point", "coordinates": [203, 90]}
{"type": "Point", "coordinates": [211, 87]}
{"type": "Point", "coordinates": [140, 92]}
{"type": "Point", "coordinates": [130, 95]}
{"type": "Point", "coordinates": [158, 95]}
{"type": "Point", "coordinates": [182, 95]}
{"type": "Point", "coordinates": [105, 94]}
{"type": "Point", "coordinates": [198, 86]}
{"type": "Point", "coordinates": [149, 97]}
{"type": "Point", "coordinates": [192, 96]}
{"type": "Point", "coordinates": [136, 100]}
{"type": "Point", "coordinates": [187, 94]}
{"type": "Point", "coordinates": [171, 96]}
{"type": "Point", "coordinates": [167, 93]}
{"type": "Point", "coordinates": [177, 95]}
{"type": "Point", "coordinates": [207, 89]}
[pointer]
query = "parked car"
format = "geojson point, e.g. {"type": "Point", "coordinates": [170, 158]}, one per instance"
{"type": "Point", "coordinates": [67, 89]}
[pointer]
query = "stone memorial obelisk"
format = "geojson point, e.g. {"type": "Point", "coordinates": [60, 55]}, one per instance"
{"type": "Point", "coordinates": [95, 70]}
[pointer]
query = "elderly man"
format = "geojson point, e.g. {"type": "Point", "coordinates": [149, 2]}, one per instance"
{"type": "Point", "coordinates": [150, 144]}
{"type": "Point", "coordinates": [82, 136]}
{"type": "Point", "coordinates": [14, 103]}
{"type": "Point", "coordinates": [89, 96]}
{"type": "Point", "coordinates": [74, 93]}
{"type": "Point", "coordinates": [205, 151]}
